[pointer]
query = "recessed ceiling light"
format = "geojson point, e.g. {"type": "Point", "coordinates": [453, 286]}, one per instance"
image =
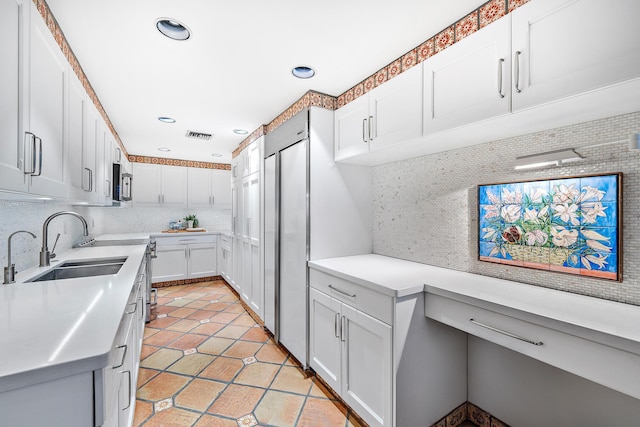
{"type": "Point", "coordinates": [166, 120]}
{"type": "Point", "coordinates": [303, 72]}
{"type": "Point", "coordinates": [240, 131]}
{"type": "Point", "coordinates": [216, 155]}
{"type": "Point", "coordinates": [173, 29]}
{"type": "Point", "coordinates": [164, 149]}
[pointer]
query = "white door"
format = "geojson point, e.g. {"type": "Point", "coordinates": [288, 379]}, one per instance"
{"type": "Point", "coordinates": [395, 110]}
{"type": "Point", "coordinates": [202, 260]}
{"type": "Point", "coordinates": [170, 263]}
{"type": "Point", "coordinates": [367, 367]}
{"type": "Point", "coordinates": [12, 140]}
{"type": "Point", "coordinates": [147, 180]}
{"type": "Point", "coordinates": [221, 189]}
{"type": "Point", "coordinates": [174, 186]}
{"type": "Point", "coordinates": [469, 81]}
{"type": "Point", "coordinates": [352, 128]}
{"type": "Point", "coordinates": [199, 186]}
{"type": "Point", "coordinates": [293, 250]}
{"type": "Point", "coordinates": [48, 77]}
{"type": "Point", "coordinates": [562, 48]}
{"type": "Point", "coordinates": [325, 345]}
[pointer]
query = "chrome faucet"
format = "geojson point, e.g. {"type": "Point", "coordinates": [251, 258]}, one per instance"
{"type": "Point", "coordinates": [45, 256]}
{"type": "Point", "coordinates": [10, 269]}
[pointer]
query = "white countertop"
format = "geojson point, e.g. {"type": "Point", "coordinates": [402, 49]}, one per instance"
{"type": "Point", "coordinates": [614, 322]}
{"type": "Point", "coordinates": [150, 234]}
{"type": "Point", "coordinates": [58, 328]}
{"type": "Point", "coordinates": [390, 276]}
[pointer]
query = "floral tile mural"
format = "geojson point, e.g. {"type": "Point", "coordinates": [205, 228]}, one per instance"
{"type": "Point", "coordinates": [568, 225]}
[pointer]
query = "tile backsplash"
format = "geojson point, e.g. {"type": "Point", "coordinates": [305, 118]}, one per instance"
{"type": "Point", "coordinates": [425, 209]}
{"type": "Point", "coordinates": [30, 216]}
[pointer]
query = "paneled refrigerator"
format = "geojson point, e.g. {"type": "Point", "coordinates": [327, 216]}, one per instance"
{"type": "Point", "coordinates": [314, 208]}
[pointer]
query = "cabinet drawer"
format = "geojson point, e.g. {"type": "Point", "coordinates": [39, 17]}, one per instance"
{"type": "Point", "coordinates": [366, 300]}
{"type": "Point", "coordinates": [185, 239]}
{"type": "Point", "coordinates": [589, 359]}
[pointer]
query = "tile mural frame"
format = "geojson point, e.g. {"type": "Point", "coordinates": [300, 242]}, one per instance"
{"type": "Point", "coordinates": [569, 224]}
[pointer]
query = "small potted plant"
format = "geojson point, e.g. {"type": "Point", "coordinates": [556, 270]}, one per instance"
{"type": "Point", "coordinates": [192, 221]}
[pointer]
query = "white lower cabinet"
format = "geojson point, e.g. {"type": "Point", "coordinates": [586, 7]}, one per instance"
{"type": "Point", "coordinates": [180, 258]}
{"type": "Point", "coordinates": [226, 258]}
{"type": "Point", "coordinates": [352, 352]}
{"type": "Point", "coordinates": [377, 351]}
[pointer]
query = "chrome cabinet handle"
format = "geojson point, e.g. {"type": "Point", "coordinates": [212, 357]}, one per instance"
{"type": "Point", "coordinates": [342, 292]}
{"type": "Point", "coordinates": [364, 124]}
{"type": "Point", "coordinates": [87, 170]}
{"type": "Point", "coordinates": [135, 304]}
{"type": "Point", "coordinates": [124, 355]}
{"type": "Point", "coordinates": [370, 122]}
{"type": "Point", "coordinates": [516, 70]}
{"type": "Point", "coordinates": [509, 334]}
{"type": "Point", "coordinates": [129, 382]}
{"type": "Point", "coordinates": [39, 156]}
{"type": "Point", "coordinates": [500, 65]}
{"type": "Point", "coordinates": [154, 293]}
{"type": "Point", "coordinates": [33, 153]}
{"type": "Point", "coordinates": [90, 180]}
{"type": "Point", "coordinates": [336, 329]}
{"type": "Point", "coordinates": [342, 329]}
{"type": "Point", "coordinates": [119, 156]}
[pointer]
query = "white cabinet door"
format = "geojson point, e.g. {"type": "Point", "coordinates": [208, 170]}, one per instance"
{"type": "Point", "coordinates": [13, 19]}
{"type": "Point", "coordinates": [221, 188]}
{"type": "Point", "coordinates": [367, 366]}
{"type": "Point", "coordinates": [252, 158]}
{"type": "Point", "coordinates": [76, 140]}
{"type": "Point", "coordinates": [395, 110]}
{"type": "Point", "coordinates": [469, 81]}
{"type": "Point", "coordinates": [325, 347]}
{"type": "Point", "coordinates": [47, 78]}
{"type": "Point", "coordinates": [202, 260]}
{"type": "Point", "coordinates": [238, 166]}
{"type": "Point", "coordinates": [226, 264]}
{"type": "Point", "coordinates": [170, 264]}
{"type": "Point", "coordinates": [352, 129]}
{"type": "Point", "coordinates": [174, 186]}
{"type": "Point", "coordinates": [199, 187]}
{"type": "Point", "coordinates": [104, 164]}
{"type": "Point", "coordinates": [147, 190]}
{"type": "Point", "coordinates": [237, 270]}
{"type": "Point", "coordinates": [90, 151]}
{"type": "Point", "coordinates": [251, 197]}
{"type": "Point", "coordinates": [562, 48]}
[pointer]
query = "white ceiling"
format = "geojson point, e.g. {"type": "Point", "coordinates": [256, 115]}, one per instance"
{"type": "Point", "coordinates": [234, 71]}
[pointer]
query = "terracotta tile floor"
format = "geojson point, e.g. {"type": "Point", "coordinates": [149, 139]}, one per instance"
{"type": "Point", "coordinates": [205, 362]}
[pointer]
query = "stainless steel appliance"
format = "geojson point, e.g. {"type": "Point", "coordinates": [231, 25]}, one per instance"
{"type": "Point", "coordinates": [122, 184]}
{"type": "Point", "coordinates": [150, 253]}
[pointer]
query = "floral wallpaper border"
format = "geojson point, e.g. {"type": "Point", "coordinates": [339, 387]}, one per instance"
{"type": "Point", "coordinates": [178, 162]}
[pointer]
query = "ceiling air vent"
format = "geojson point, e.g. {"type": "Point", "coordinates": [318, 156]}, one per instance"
{"type": "Point", "coordinates": [198, 135]}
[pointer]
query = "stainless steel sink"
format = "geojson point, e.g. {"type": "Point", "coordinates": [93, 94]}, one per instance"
{"type": "Point", "coordinates": [82, 268]}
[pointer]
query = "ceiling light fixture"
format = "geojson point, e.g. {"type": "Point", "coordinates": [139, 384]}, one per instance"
{"type": "Point", "coordinates": [240, 131]}
{"type": "Point", "coordinates": [549, 158]}
{"type": "Point", "coordinates": [164, 149]}
{"type": "Point", "coordinates": [303, 72]}
{"type": "Point", "coordinates": [173, 29]}
{"type": "Point", "coordinates": [216, 155]}
{"type": "Point", "coordinates": [166, 120]}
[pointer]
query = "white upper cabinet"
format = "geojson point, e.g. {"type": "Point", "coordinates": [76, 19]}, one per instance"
{"type": "Point", "coordinates": [13, 157]}
{"type": "Point", "coordinates": [387, 115]}
{"type": "Point", "coordinates": [46, 129]}
{"type": "Point", "coordinates": [564, 48]}
{"type": "Point", "coordinates": [209, 188]}
{"type": "Point", "coordinates": [470, 80]}
{"type": "Point", "coordinates": [159, 185]}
